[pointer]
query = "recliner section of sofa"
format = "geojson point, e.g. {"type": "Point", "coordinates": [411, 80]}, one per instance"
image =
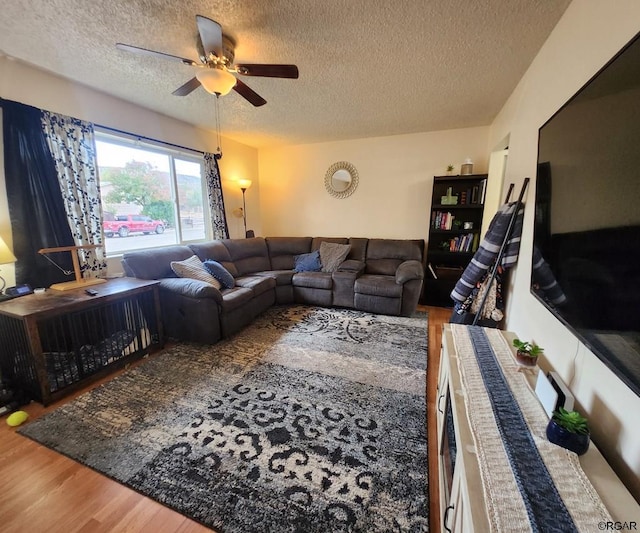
{"type": "Point", "coordinates": [392, 278]}
{"type": "Point", "coordinates": [190, 308]}
{"type": "Point", "coordinates": [253, 294]}
{"type": "Point", "coordinates": [379, 276]}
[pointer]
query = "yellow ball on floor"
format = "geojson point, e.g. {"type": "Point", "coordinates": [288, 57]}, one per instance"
{"type": "Point", "coordinates": [17, 418]}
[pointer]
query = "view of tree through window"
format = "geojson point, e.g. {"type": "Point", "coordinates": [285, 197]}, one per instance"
{"type": "Point", "coordinates": [150, 197]}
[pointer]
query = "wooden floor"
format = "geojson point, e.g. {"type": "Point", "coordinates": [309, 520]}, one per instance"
{"type": "Point", "coordinates": [43, 491]}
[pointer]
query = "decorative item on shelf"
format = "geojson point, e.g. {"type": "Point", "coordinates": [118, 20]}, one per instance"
{"type": "Point", "coordinates": [468, 225]}
{"type": "Point", "coordinates": [244, 185]}
{"type": "Point", "coordinates": [570, 430]}
{"type": "Point", "coordinates": [6, 257]}
{"type": "Point", "coordinates": [450, 169]}
{"type": "Point", "coordinates": [467, 167]}
{"type": "Point", "coordinates": [527, 352]}
{"type": "Point", "coordinates": [457, 224]}
{"type": "Point", "coordinates": [449, 199]}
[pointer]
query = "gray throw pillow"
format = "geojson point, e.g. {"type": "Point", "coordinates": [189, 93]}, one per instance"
{"type": "Point", "coordinates": [332, 255]}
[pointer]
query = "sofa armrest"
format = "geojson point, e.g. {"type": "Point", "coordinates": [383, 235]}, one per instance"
{"type": "Point", "coordinates": [351, 265]}
{"type": "Point", "coordinates": [409, 270]}
{"type": "Point", "coordinates": [191, 288]}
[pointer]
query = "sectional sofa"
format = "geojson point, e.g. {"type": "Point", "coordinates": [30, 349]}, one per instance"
{"type": "Point", "coordinates": [378, 275]}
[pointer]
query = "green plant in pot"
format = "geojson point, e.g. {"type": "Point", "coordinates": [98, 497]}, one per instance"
{"type": "Point", "coordinates": [527, 352]}
{"type": "Point", "coordinates": [570, 430]}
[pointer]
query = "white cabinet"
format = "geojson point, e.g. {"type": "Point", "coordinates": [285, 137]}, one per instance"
{"type": "Point", "coordinates": [459, 474]}
{"type": "Point", "coordinates": [462, 498]}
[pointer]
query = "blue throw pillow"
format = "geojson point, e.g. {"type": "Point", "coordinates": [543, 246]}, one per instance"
{"type": "Point", "coordinates": [220, 273]}
{"type": "Point", "coordinates": [308, 262]}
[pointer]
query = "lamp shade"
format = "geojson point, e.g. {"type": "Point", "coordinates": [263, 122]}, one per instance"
{"type": "Point", "coordinates": [244, 184]}
{"type": "Point", "coordinates": [216, 80]}
{"type": "Point", "coordinates": [6, 256]}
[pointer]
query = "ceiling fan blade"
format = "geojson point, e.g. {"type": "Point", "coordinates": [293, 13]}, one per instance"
{"type": "Point", "coordinates": [268, 71]}
{"type": "Point", "coordinates": [247, 92]}
{"type": "Point", "coordinates": [153, 53]}
{"type": "Point", "coordinates": [187, 88]}
{"type": "Point", "coordinates": [210, 35]}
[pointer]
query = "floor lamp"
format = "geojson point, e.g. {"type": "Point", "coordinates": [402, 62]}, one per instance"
{"type": "Point", "coordinates": [244, 185]}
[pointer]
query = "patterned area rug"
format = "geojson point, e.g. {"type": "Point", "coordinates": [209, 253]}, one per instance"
{"type": "Point", "coordinates": [309, 420]}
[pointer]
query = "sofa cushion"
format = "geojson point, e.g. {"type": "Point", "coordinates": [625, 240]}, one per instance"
{"type": "Point", "coordinates": [248, 255]}
{"type": "Point", "coordinates": [332, 255]}
{"type": "Point", "coordinates": [235, 298]}
{"type": "Point", "coordinates": [282, 250]}
{"type": "Point", "coordinates": [351, 265]}
{"type": "Point", "coordinates": [155, 263]}
{"type": "Point", "coordinates": [317, 241]}
{"type": "Point", "coordinates": [313, 280]}
{"type": "Point", "coordinates": [258, 284]}
{"type": "Point", "coordinates": [375, 285]}
{"type": "Point", "coordinates": [216, 251]}
{"type": "Point", "coordinates": [220, 273]}
{"type": "Point", "coordinates": [384, 256]}
{"type": "Point", "coordinates": [358, 248]}
{"type": "Point", "coordinates": [191, 288]}
{"type": "Point", "coordinates": [308, 262]}
{"type": "Point", "coordinates": [194, 268]}
{"type": "Point", "coordinates": [282, 277]}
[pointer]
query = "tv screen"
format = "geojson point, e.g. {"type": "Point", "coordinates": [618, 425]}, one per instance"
{"type": "Point", "coordinates": [587, 215]}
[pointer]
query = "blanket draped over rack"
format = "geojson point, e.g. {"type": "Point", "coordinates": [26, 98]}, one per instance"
{"type": "Point", "coordinates": [488, 250]}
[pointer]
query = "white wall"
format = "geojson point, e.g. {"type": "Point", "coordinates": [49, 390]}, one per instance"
{"type": "Point", "coordinates": [34, 87]}
{"type": "Point", "coordinates": [588, 35]}
{"type": "Point", "coordinates": [395, 183]}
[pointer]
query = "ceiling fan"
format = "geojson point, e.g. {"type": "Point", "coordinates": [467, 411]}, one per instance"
{"type": "Point", "coordinates": [217, 70]}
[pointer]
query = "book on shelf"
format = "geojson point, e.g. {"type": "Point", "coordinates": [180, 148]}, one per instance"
{"type": "Point", "coordinates": [474, 194]}
{"type": "Point", "coordinates": [481, 192]}
{"type": "Point", "coordinates": [433, 272]}
{"type": "Point", "coordinates": [442, 220]}
{"type": "Point", "coordinates": [464, 243]}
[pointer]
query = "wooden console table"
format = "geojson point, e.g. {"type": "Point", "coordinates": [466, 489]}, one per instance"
{"type": "Point", "coordinates": [465, 499]}
{"type": "Point", "coordinates": [57, 342]}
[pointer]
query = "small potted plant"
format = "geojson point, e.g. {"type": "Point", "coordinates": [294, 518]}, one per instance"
{"type": "Point", "coordinates": [527, 352]}
{"type": "Point", "coordinates": [570, 430]}
{"type": "Point", "coordinates": [449, 170]}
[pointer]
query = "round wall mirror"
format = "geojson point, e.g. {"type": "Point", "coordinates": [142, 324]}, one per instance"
{"type": "Point", "coordinates": [341, 179]}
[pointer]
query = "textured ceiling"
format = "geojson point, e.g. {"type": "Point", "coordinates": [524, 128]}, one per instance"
{"type": "Point", "coordinates": [367, 67]}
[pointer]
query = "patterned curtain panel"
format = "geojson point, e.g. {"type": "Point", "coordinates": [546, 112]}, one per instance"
{"type": "Point", "coordinates": [216, 201]}
{"type": "Point", "coordinates": [71, 142]}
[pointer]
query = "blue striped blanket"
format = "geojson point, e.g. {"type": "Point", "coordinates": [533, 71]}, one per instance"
{"type": "Point", "coordinates": [488, 250]}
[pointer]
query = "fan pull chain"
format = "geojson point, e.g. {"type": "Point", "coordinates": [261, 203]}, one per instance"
{"type": "Point", "coordinates": [218, 124]}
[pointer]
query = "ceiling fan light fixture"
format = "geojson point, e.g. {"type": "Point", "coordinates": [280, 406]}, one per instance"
{"type": "Point", "coordinates": [216, 81]}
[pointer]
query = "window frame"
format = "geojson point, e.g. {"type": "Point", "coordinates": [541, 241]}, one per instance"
{"type": "Point", "coordinates": [126, 140]}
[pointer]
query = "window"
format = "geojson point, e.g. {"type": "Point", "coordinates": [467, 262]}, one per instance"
{"type": "Point", "coordinates": [151, 195]}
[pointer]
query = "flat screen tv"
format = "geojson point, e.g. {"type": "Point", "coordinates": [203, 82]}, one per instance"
{"type": "Point", "coordinates": [587, 215]}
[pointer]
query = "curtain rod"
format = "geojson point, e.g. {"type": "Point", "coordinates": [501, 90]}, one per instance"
{"type": "Point", "coordinates": [143, 138]}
